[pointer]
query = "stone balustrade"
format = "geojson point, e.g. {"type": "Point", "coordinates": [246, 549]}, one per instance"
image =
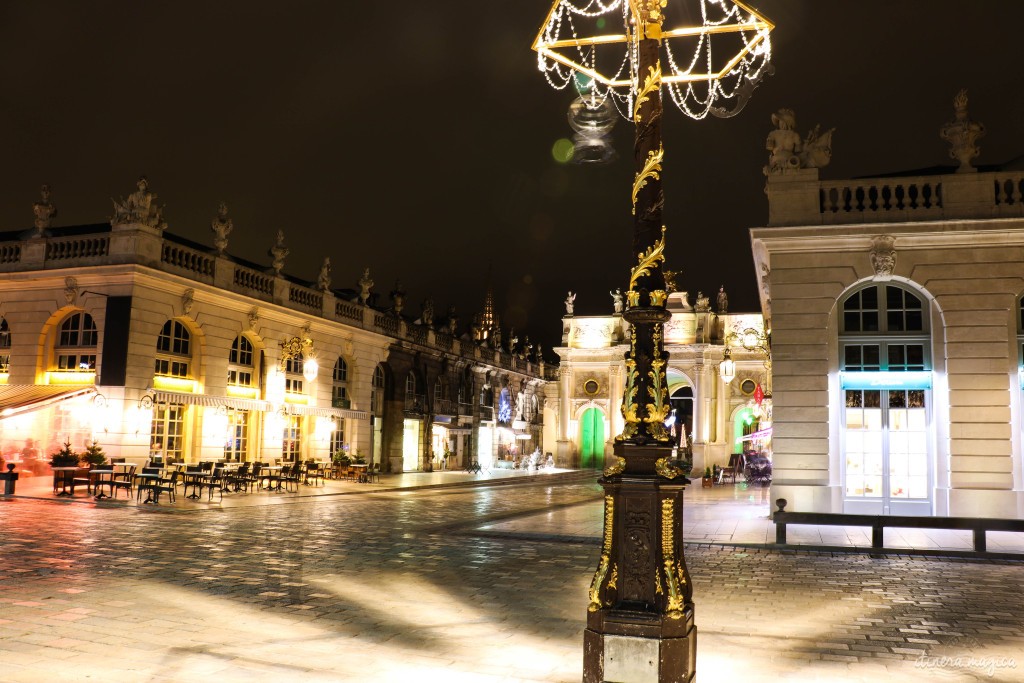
{"type": "Point", "coordinates": [800, 198]}
{"type": "Point", "coordinates": [100, 245]}
{"type": "Point", "coordinates": [77, 247]}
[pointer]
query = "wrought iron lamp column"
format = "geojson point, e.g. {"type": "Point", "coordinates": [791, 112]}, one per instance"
{"type": "Point", "coordinates": [640, 622]}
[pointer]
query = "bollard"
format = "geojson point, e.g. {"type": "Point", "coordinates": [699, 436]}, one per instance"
{"type": "Point", "coordinates": [9, 477]}
{"type": "Point", "coordinates": [780, 523]}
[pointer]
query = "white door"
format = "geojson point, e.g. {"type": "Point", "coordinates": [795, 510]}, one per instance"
{"type": "Point", "coordinates": [887, 459]}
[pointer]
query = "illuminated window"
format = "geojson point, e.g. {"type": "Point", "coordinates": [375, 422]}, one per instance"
{"type": "Point", "coordinates": [338, 435]}
{"type": "Point", "coordinates": [167, 435]}
{"type": "Point", "coordinates": [76, 343]}
{"type": "Point", "coordinates": [883, 329]}
{"type": "Point", "coordinates": [5, 346]}
{"type": "Point", "coordinates": [339, 391]}
{"type": "Point", "coordinates": [293, 382]}
{"type": "Point", "coordinates": [173, 349]}
{"type": "Point", "coordinates": [888, 465]}
{"type": "Point", "coordinates": [241, 369]}
{"type": "Point", "coordinates": [377, 392]}
{"type": "Point", "coordinates": [291, 446]}
{"type": "Point", "coordinates": [238, 435]}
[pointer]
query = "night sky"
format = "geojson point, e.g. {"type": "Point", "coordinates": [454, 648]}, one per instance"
{"type": "Point", "coordinates": [415, 137]}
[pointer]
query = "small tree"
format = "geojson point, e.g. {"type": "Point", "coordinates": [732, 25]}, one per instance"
{"type": "Point", "coordinates": [359, 459]}
{"type": "Point", "coordinates": [340, 457]}
{"type": "Point", "coordinates": [94, 455]}
{"type": "Point", "coordinates": [65, 457]}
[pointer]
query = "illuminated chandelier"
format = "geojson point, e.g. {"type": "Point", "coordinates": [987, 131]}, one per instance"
{"type": "Point", "coordinates": [722, 56]}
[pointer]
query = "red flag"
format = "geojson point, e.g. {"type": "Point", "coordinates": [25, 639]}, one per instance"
{"type": "Point", "coordinates": [758, 394]}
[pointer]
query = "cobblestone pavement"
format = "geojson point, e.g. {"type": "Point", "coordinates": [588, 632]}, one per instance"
{"type": "Point", "coordinates": [410, 586]}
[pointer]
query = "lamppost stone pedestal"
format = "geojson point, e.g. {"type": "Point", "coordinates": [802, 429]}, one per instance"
{"type": "Point", "coordinates": [640, 620]}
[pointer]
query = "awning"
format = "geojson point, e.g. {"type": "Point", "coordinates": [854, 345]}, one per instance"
{"type": "Point", "coordinates": [22, 398]}
{"type": "Point", "coordinates": [205, 400]}
{"type": "Point", "coordinates": [295, 409]}
{"type": "Point", "coordinates": [754, 436]}
{"type": "Point", "coordinates": [252, 404]}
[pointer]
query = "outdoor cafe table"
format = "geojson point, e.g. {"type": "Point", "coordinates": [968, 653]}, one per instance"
{"type": "Point", "coordinates": [63, 476]}
{"type": "Point", "coordinates": [152, 495]}
{"type": "Point", "coordinates": [360, 471]}
{"type": "Point", "coordinates": [273, 475]}
{"type": "Point", "coordinates": [100, 477]}
{"type": "Point", "coordinates": [195, 480]}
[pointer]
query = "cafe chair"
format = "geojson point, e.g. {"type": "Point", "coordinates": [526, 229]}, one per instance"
{"type": "Point", "coordinates": [215, 482]}
{"type": "Point", "coordinates": [123, 480]}
{"type": "Point", "coordinates": [373, 473]}
{"type": "Point", "coordinates": [291, 475]}
{"type": "Point", "coordinates": [166, 485]}
{"type": "Point", "coordinates": [314, 473]}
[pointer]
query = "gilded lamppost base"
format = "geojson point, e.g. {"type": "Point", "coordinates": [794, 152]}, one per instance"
{"type": "Point", "coordinates": [640, 622]}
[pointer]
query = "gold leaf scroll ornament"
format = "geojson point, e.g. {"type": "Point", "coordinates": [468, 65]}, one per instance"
{"type": "Point", "coordinates": [651, 169]}
{"type": "Point", "coordinates": [648, 259]}
{"type": "Point", "coordinates": [674, 608]}
{"type": "Point", "coordinates": [606, 556]}
{"type": "Point", "coordinates": [651, 84]}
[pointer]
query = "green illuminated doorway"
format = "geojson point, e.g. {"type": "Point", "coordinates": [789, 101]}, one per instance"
{"type": "Point", "coordinates": [592, 439]}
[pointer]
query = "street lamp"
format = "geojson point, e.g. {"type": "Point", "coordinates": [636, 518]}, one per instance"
{"type": "Point", "coordinates": [640, 621]}
{"type": "Point", "coordinates": [298, 347]}
{"type": "Point", "coordinates": [728, 367]}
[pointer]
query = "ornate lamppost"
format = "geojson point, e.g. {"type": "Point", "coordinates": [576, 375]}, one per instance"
{"type": "Point", "coordinates": [640, 621]}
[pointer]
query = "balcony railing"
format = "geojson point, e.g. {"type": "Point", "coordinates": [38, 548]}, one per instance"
{"type": "Point", "coordinates": [445, 406]}
{"type": "Point", "coordinates": [415, 403]}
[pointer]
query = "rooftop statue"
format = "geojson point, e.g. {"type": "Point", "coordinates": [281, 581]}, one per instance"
{"type": "Point", "coordinates": [279, 252]}
{"type": "Point", "coordinates": [789, 152]}
{"type": "Point", "coordinates": [703, 303]}
{"type": "Point", "coordinates": [398, 297]}
{"type": "Point", "coordinates": [569, 303]}
{"type": "Point", "coordinates": [221, 227]}
{"type": "Point", "coordinates": [365, 285]}
{"type": "Point", "coordinates": [44, 211]}
{"type": "Point", "coordinates": [427, 316]}
{"type": "Point", "coordinates": [962, 133]}
{"type": "Point", "coordinates": [453, 320]}
{"type": "Point", "coordinates": [723, 300]}
{"type": "Point", "coordinates": [617, 300]}
{"type": "Point", "coordinates": [323, 280]}
{"type": "Point", "coordinates": [140, 207]}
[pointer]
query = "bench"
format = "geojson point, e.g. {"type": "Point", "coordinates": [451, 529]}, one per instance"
{"type": "Point", "coordinates": [878, 523]}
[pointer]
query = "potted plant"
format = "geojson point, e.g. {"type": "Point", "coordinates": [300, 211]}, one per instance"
{"type": "Point", "coordinates": [705, 481]}
{"type": "Point", "coordinates": [359, 459]}
{"type": "Point", "coordinates": [65, 457]}
{"type": "Point", "coordinates": [340, 457]}
{"type": "Point", "coordinates": [93, 456]}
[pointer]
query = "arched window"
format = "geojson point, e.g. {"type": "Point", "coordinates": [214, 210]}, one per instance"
{"type": "Point", "coordinates": [76, 343]}
{"type": "Point", "coordinates": [339, 392]}
{"type": "Point", "coordinates": [5, 346]}
{"type": "Point", "coordinates": [888, 468]}
{"type": "Point", "coordinates": [293, 380]}
{"type": "Point", "coordinates": [173, 350]}
{"type": "Point", "coordinates": [884, 328]}
{"type": "Point", "coordinates": [241, 364]}
{"type": "Point", "coordinates": [377, 392]}
{"type": "Point", "coordinates": [412, 398]}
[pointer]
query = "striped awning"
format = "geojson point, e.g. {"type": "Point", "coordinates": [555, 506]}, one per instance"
{"type": "Point", "coordinates": [296, 409]}
{"type": "Point", "coordinates": [205, 400]}
{"type": "Point", "coordinates": [252, 404]}
{"type": "Point", "coordinates": [22, 398]}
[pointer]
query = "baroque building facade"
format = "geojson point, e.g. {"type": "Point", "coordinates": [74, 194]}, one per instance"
{"type": "Point", "coordinates": [153, 345]}
{"type": "Point", "coordinates": [895, 305]}
{"type": "Point", "coordinates": [711, 419]}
